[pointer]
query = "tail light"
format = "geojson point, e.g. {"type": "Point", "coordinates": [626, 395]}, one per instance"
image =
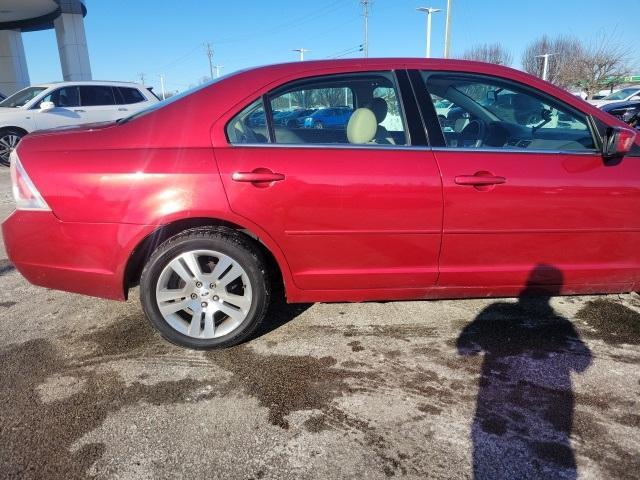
{"type": "Point", "coordinates": [25, 193]}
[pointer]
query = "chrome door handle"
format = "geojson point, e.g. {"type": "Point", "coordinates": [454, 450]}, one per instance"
{"type": "Point", "coordinates": [123, 110]}
{"type": "Point", "coordinates": [479, 180]}
{"type": "Point", "coordinates": [259, 175]}
{"type": "Point", "coordinates": [80, 110]}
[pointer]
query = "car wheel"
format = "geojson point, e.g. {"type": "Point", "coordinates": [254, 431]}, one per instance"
{"type": "Point", "coordinates": [205, 288]}
{"type": "Point", "coordinates": [9, 139]}
{"type": "Point", "coordinates": [318, 125]}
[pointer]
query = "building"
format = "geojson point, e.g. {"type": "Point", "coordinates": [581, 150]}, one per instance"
{"type": "Point", "coordinates": [18, 17]}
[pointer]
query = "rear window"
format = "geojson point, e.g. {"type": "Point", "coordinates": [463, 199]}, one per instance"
{"type": "Point", "coordinates": [126, 95]}
{"type": "Point", "coordinates": [96, 95]}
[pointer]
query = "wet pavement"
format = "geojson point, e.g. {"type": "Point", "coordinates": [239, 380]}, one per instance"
{"type": "Point", "coordinates": [497, 388]}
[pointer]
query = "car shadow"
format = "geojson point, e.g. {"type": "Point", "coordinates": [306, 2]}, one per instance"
{"type": "Point", "coordinates": [525, 401]}
{"type": "Point", "coordinates": [279, 313]}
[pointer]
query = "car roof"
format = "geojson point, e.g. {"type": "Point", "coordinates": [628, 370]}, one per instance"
{"type": "Point", "coordinates": [90, 82]}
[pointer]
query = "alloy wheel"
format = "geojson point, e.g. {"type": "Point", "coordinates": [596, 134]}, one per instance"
{"type": "Point", "coordinates": [8, 143]}
{"type": "Point", "coordinates": [204, 294]}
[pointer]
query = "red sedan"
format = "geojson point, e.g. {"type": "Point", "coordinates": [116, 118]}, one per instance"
{"type": "Point", "coordinates": [206, 202]}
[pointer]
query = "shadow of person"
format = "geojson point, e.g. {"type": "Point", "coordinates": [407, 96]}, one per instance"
{"type": "Point", "coordinates": [524, 408]}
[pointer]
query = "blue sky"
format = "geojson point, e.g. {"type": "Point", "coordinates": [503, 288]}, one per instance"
{"type": "Point", "coordinates": [127, 37]}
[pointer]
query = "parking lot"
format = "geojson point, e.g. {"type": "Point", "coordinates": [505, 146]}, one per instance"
{"type": "Point", "coordinates": [529, 389]}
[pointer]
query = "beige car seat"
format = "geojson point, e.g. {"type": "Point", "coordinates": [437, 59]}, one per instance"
{"type": "Point", "coordinates": [362, 126]}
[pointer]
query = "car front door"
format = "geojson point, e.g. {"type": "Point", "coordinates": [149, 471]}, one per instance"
{"type": "Point", "coordinates": [66, 112]}
{"type": "Point", "coordinates": [526, 187]}
{"type": "Point", "coordinates": [350, 211]}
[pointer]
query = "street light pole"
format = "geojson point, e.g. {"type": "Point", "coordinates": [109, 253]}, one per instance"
{"type": "Point", "coordinates": [428, 11]}
{"type": "Point", "coordinates": [545, 68]}
{"type": "Point", "coordinates": [301, 52]}
{"type": "Point", "coordinates": [162, 85]}
{"type": "Point", "coordinates": [447, 30]}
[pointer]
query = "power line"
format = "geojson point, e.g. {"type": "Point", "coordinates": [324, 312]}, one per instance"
{"type": "Point", "coordinates": [344, 53]}
{"type": "Point", "coordinates": [295, 22]}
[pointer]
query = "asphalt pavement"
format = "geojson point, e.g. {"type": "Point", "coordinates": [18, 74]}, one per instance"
{"type": "Point", "coordinates": [493, 388]}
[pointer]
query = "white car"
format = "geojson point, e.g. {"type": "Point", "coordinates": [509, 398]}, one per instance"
{"type": "Point", "coordinates": [623, 95]}
{"type": "Point", "coordinates": [62, 104]}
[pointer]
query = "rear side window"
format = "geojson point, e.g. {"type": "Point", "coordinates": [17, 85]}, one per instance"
{"type": "Point", "coordinates": [249, 126]}
{"type": "Point", "coordinates": [356, 109]}
{"type": "Point", "coordinates": [127, 95]}
{"type": "Point", "coordinates": [96, 95]}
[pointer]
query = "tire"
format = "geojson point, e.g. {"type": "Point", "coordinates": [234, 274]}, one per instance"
{"type": "Point", "coordinates": [9, 138]}
{"type": "Point", "coordinates": [202, 311]}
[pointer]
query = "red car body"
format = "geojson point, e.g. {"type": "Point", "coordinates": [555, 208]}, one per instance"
{"type": "Point", "coordinates": [346, 224]}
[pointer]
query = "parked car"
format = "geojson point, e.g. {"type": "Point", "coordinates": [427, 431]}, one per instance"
{"type": "Point", "coordinates": [623, 95]}
{"type": "Point", "coordinates": [625, 111]}
{"type": "Point", "coordinates": [292, 118]}
{"type": "Point", "coordinates": [333, 117]}
{"type": "Point", "coordinates": [207, 215]}
{"type": "Point", "coordinates": [66, 103]}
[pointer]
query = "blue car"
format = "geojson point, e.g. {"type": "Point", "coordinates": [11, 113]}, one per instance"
{"type": "Point", "coordinates": [332, 117]}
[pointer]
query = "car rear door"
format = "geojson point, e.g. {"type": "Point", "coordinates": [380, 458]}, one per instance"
{"type": "Point", "coordinates": [531, 193]}
{"type": "Point", "coordinates": [347, 216]}
{"type": "Point", "coordinates": [98, 104]}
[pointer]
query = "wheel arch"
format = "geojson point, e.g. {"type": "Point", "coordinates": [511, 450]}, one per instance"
{"type": "Point", "coordinates": [275, 260]}
{"type": "Point", "coordinates": [15, 128]}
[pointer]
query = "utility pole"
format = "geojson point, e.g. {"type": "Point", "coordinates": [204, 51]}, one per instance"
{"type": "Point", "coordinates": [218, 68]}
{"type": "Point", "coordinates": [428, 11]}
{"type": "Point", "coordinates": [301, 52]}
{"type": "Point", "coordinates": [365, 13]}
{"type": "Point", "coordinates": [141, 75]}
{"type": "Point", "coordinates": [209, 52]}
{"type": "Point", "coordinates": [545, 68]}
{"type": "Point", "coordinates": [447, 30]}
{"type": "Point", "coordinates": [162, 85]}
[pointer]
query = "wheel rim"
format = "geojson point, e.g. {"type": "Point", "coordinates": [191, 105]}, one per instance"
{"type": "Point", "coordinates": [204, 294]}
{"type": "Point", "coordinates": [8, 143]}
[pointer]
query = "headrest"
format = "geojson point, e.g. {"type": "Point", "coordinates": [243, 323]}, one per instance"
{"type": "Point", "coordinates": [362, 126]}
{"type": "Point", "coordinates": [380, 108]}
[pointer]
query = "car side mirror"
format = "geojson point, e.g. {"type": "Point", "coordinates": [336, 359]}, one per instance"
{"type": "Point", "coordinates": [46, 106]}
{"type": "Point", "coordinates": [617, 142]}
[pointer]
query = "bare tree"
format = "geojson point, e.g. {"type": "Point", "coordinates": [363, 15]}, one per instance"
{"type": "Point", "coordinates": [603, 64]}
{"type": "Point", "coordinates": [561, 68]}
{"type": "Point", "coordinates": [490, 53]}
{"type": "Point", "coordinates": [573, 64]}
{"type": "Point", "coordinates": [332, 97]}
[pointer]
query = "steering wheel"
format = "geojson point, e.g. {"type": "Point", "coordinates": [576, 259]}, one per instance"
{"type": "Point", "coordinates": [472, 135]}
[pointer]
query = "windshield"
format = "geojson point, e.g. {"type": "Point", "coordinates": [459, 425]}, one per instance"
{"type": "Point", "coordinates": [21, 98]}
{"type": "Point", "coordinates": [622, 94]}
